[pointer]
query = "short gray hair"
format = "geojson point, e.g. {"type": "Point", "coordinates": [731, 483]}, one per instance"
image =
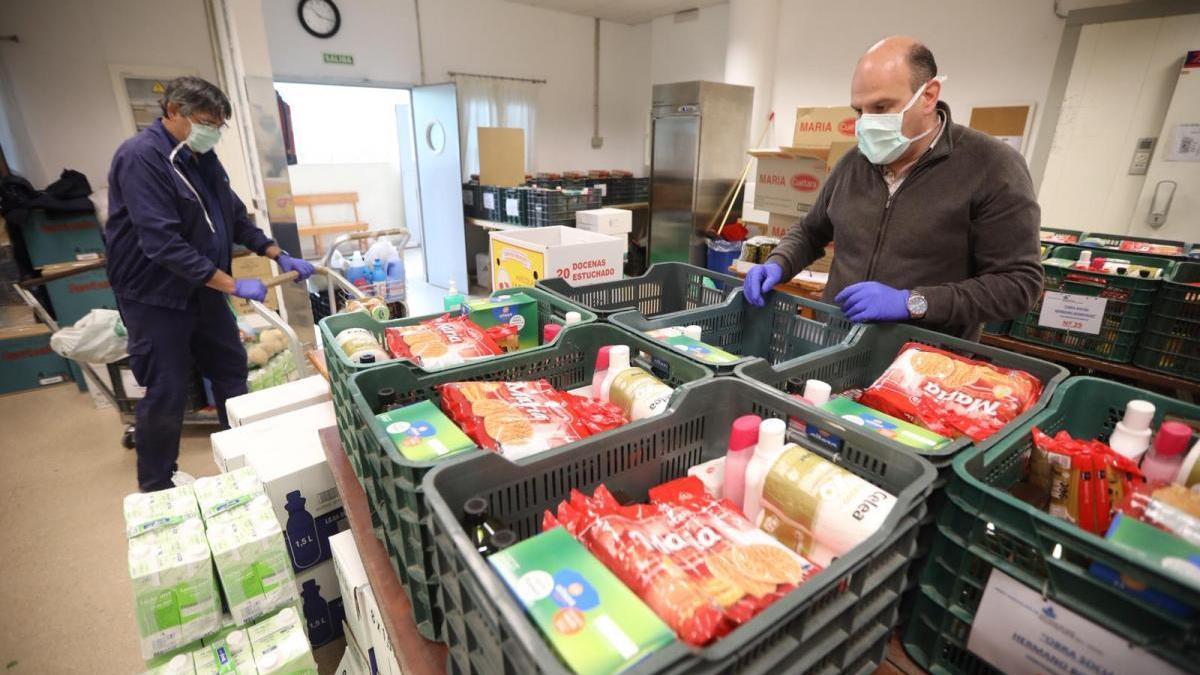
{"type": "Point", "coordinates": [921, 64]}
{"type": "Point", "coordinates": [194, 94]}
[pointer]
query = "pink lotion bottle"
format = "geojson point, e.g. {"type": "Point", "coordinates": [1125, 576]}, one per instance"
{"type": "Point", "coordinates": [601, 370]}
{"type": "Point", "coordinates": [742, 440]}
{"type": "Point", "coordinates": [1163, 460]}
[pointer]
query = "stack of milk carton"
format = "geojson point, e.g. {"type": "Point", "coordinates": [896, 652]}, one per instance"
{"type": "Point", "coordinates": [172, 552]}
{"type": "Point", "coordinates": [274, 432]}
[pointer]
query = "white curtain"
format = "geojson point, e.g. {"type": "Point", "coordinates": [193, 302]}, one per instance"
{"type": "Point", "coordinates": [494, 102]}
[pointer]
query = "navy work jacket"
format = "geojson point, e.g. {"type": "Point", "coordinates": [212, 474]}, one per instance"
{"type": "Point", "coordinates": [161, 243]}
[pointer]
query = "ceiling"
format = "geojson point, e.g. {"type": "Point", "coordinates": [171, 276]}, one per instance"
{"type": "Point", "coordinates": [622, 11]}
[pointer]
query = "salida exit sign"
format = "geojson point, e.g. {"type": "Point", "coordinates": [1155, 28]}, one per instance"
{"type": "Point", "coordinates": [338, 59]}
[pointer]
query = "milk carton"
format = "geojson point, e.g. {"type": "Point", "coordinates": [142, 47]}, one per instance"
{"type": "Point", "coordinates": [321, 603]}
{"type": "Point", "coordinates": [145, 511]}
{"type": "Point", "coordinates": [280, 645]}
{"type": "Point", "coordinates": [252, 562]}
{"type": "Point", "coordinates": [175, 595]}
{"type": "Point", "coordinates": [229, 655]}
{"type": "Point", "coordinates": [180, 664]}
{"type": "Point", "coordinates": [301, 489]}
{"type": "Point", "coordinates": [226, 491]}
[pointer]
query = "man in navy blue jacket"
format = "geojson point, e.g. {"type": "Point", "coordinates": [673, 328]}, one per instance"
{"type": "Point", "coordinates": [172, 224]}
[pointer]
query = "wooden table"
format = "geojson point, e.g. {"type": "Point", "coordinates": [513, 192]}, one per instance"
{"type": "Point", "coordinates": [1187, 390]}
{"type": "Point", "coordinates": [417, 656]}
{"type": "Point", "coordinates": [803, 289]}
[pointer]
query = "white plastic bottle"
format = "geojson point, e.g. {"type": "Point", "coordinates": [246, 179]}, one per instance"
{"type": "Point", "coordinates": [572, 317]}
{"type": "Point", "coordinates": [618, 360]}
{"type": "Point", "coordinates": [601, 369]}
{"type": "Point", "coordinates": [770, 445]}
{"type": "Point", "coordinates": [817, 392]}
{"type": "Point", "coordinates": [1131, 436]}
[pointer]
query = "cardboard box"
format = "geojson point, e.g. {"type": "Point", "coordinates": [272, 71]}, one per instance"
{"type": "Point", "coordinates": [352, 579]}
{"type": "Point", "coordinates": [267, 403]}
{"type": "Point", "coordinates": [74, 296]}
{"type": "Point", "coordinates": [56, 237]}
{"type": "Point", "coordinates": [322, 603]}
{"type": "Point", "coordinates": [787, 180]}
{"type": "Point", "coordinates": [281, 431]}
{"type": "Point", "coordinates": [501, 309]}
{"type": "Point", "coordinates": [300, 485]}
{"type": "Point", "coordinates": [26, 360]}
{"type": "Point", "coordinates": [380, 648]}
{"type": "Point", "coordinates": [354, 660]}
{"type": "Point", "coordinates": [253, 267]}
{"type": "Point", "coordinates": [605, 221]}
{"type": "Point", "coordinates": [581, 257]}
{"type": "Point", "coordinates": [823, 127]}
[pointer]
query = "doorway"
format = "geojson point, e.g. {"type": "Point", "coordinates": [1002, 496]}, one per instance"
{"type": "Point", "coordinates": [352, 168]}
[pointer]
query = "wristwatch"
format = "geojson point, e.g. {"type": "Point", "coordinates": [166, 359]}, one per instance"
{"type": "Point", "coordinates": [917, 305]}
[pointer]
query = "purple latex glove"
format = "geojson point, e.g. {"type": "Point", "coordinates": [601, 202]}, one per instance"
{"type": "Point", "coordinates": [873, 301]}
{"type": "Point", "coordinates": [302, 268]}
{"type": "Point", "coordinates": [250, 289]}
{"type": "Point", "coordinates": [759, 280]}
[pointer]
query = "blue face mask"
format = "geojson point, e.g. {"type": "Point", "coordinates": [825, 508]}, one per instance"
{"type": "Point", "coordinates": [880, 136]}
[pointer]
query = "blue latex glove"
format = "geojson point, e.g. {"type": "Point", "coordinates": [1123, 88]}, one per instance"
{"type": "Point", "coordinates": [873, 301]}
{"type": "Point", "coordinates": [250, 289]}
{"type": "Point", "coordinates": [287, 263]}
{"type": "Point", "coordinates": [759, 280]}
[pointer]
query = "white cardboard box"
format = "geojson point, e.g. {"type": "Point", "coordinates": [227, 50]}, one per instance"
{"type": "Point", "coordinates": [522, 258]}
{"type": "Point", "coordinates": [352, 578]}
{"type": "Point", "coordinates": [300, 485]}
{"type": "Point", "coordinates": [354, 660]}
{"type": "Point", "coordinates": [605, 221]}
{"type": "Point", "coordinates": [385, 657]}
{"type": "Point", "coordinates": [266, 403]}
{"type": "Point", "coordinates": [281, 431]}
{"type": "Point", "coordinates": [324, 606]}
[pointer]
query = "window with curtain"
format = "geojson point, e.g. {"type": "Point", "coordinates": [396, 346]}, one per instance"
{"type": "Point", "coordinates": [494, 102]}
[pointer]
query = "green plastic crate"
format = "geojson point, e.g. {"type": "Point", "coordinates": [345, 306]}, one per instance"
{"type": "Point", "coordinates": [1124, 317]}
{"type": "Point", "coordinates": [1171, 340]}
{"type": "Point", "coordinates": [982, 527]}
{"type": "Point", "coordinates": [1058, 237]}
{"type": "Point", "coordinates": [838, 621]}
{"type": "Point", "coordinates": [568, 363]}
{"type": "Point", "coordinates": [665, 288]}
{"type": "Point", "coordinates": [1111, 244]}
{"type": "Point", "coordinates": [788, 327]}
{"type": "Point", "coordinates": [551, 308]}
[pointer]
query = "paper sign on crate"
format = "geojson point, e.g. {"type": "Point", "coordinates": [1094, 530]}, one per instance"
{"type": "Point", "coordinates": [1067, 311]}
{"type": "Point", "coordinates": [1017, 630]}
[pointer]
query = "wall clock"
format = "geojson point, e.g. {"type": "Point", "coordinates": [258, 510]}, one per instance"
{"type": "Point", "coordinates": [320, 18]}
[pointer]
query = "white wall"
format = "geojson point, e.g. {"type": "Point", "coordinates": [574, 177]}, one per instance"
{"type": "Point", "coordinates": [993, 52]}
{"type": "Point", "coordinates": [497, 38]}
{"type": "Point", "coordinates": [60, 76]}
{"type": "Point", "coordinates": [693, 49]}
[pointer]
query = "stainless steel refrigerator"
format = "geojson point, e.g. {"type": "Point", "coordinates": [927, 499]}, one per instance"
{"type": "Point", "coordinates": [699, 136]}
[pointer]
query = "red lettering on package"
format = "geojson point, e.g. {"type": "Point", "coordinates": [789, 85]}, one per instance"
{"type": "Point", "coordinates": [815, 126]}
{"type": "Point", "coordinates": [846, 127]}
{"type": "Point", "coordinates": [805, 182]}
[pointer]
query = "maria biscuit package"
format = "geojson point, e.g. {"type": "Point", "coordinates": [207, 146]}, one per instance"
{"type": "Point", "coordinates": [949, 394]}
{"type": "Point", "coordinates": [441, 342]}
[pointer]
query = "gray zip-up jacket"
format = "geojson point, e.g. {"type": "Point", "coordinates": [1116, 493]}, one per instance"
{"type": "Point", "coordinates": [962, 229]}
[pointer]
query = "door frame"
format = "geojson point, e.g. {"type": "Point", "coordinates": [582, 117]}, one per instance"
{"type": "Point", "coordinates": [1073, 27]}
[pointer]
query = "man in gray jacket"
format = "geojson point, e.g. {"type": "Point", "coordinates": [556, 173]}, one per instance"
{"type": "Point", "coordinates": [934, 223]}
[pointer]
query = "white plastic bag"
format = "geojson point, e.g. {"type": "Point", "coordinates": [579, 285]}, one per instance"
{"type": "Point", "coordinates": [99, 337]}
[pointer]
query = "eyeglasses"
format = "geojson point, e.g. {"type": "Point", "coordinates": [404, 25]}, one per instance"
{"type": "Point", "coordinates": [209, 122]}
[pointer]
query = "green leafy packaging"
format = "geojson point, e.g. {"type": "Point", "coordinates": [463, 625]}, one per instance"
{"type": "Point", "coordinates": [280, 645]}
{"type": "Point", "coordinates": [696, 349]}
{"type": "Point", "coordinates": [422, 433]}
{"type": "Point", "coordinates": [229, 655]}
{"type": "Point", "coordinates": [145, 511]}
{"type": "Point", "coordinates": [175, 595]}
{"type": "Point", "coordinates": [595, 623]}
{"type": "Point", "coordinates": [227, 491]}
{"type": "Point", "coordinates": [517, 309]}
{"type": "Point", "coordinates": [252, 560]}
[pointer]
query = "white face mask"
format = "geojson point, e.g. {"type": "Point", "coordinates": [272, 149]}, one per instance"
{"type": "Point", "coordinates": [880, 136]}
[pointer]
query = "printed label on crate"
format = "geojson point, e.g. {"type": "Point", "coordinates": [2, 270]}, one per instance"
{"type": "Point", "coordinates": [489, 200]}
{"type": "Point", "coordinates": [512, 207]}
{"type": "Point", "coordinates": [1067, 311]}
{"type": "Point", "coordinates": [1018, 631]}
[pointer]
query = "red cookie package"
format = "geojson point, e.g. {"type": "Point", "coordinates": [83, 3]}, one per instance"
{"type": "Point", "coordinates": [441, 342]}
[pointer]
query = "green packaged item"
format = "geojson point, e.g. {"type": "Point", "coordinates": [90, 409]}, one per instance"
{"type": "Point", "coordinates": [177, 664]}
{"type": "Point", "coordinates": [422, 433]}
{"type": "Point", "coordinates": [145, 511]}
{"type": "Point", "coordinates": [696, 349]}
{"type": "Point", "coordinates": [252, 560]}
{"type": "Point", "coordinates": [919, 438]}
{"type": "Point", "coordinates": [175, 595]}
{"type": "Point", "coordinates": [595, 623]}
{"type": "Point", "coordinates": [280, 645]}
{"type": "Point", "coordinates": [227, 491]}
{"type": "Point", "coordinates": [500, 309]}
{"type": "Point", "coordinates": [230, 655]}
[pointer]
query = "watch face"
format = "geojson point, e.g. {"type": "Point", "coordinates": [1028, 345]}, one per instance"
{"type": "Point", "coordinates": [917, 305]}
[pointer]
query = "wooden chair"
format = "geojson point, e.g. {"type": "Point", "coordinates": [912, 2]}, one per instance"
{"type": "Point", "coordinates": [317, 230]}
